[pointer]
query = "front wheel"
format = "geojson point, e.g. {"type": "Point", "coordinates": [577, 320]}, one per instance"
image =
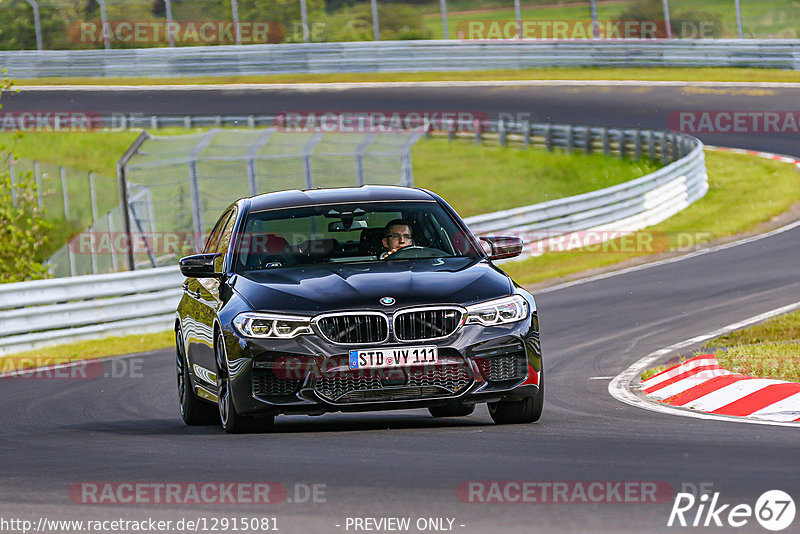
{"type": "Point", "coordinates": [193, 410]}
{"type": "Point", "coordinates": [232, 422]}
{"type": "Point", "coordinates": [527, 410]}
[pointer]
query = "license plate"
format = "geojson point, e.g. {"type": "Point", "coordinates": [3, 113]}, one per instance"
{"type": "Point", "coordinates": [394, 357]}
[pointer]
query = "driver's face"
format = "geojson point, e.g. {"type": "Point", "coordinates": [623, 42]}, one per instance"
{"type": "Point", "coordinates": [399, 237]}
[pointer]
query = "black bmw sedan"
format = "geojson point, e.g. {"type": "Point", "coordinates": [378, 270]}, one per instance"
{"type": "Point", "coordinates": [352, 299]}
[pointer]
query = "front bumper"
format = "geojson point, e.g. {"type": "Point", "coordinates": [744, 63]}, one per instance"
{"type": "Point", "coordinates": [308, 375]}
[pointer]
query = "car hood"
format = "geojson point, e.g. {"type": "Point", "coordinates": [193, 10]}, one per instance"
{"type": "Point", "coordinates": [313, 289]}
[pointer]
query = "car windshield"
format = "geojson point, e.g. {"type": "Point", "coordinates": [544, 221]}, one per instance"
{"type": "Point", "coordinates": [348, 233]}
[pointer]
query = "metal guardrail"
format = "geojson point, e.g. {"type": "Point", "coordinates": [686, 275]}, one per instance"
{"type": "Point", "coordinates": [616, 210]}
{"type": "Point", "coordinates": [43, 312]}
{"type": "Point", "coordinates": [400, 56]}
{"type": "Point", "coordinates": [60, 310]}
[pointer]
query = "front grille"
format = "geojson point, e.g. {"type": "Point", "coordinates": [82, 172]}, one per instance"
{"type": "Point", "coordinates": [417, 325]}
{"type": "Point", "coordinates": [269, 383]}
{"type": "Point", "coordinates": [507, 367]}
{"type": "Point", "coordinates": [354, 328]}
{"type": "Point", "coordinates": [367, 385]}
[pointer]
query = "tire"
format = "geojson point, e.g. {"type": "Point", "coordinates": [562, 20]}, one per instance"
{"type": "Point", "coordinates": [194, 411]}
{"type": "Point", "coordinates": [232, 422]}
{"type": "Point", "coordinates": [452, 410]}
{"type": "Point", "coordinates": [527, 410]}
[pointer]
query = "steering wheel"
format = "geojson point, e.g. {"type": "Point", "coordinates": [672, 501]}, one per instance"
{"type": "Point", "coordinates": [415, 251]}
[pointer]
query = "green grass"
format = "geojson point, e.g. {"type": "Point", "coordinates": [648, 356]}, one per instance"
{"type": "Point", "coordinates": [555, 73]}
{"type": "Point", "coordinates": [781, 328]}
{"type": "Point", "coordinates": [780, 361]}
{"type": "Point", "coordinates": [767, 350]}
{"type": "Point", "coordinates": [85, 350]}
{"type": "Point", "coordinates": [743, 192]}
{"type": "Point", "coordinates": [458, 172]}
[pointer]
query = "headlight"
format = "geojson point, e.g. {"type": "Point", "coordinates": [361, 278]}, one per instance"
{"type": "Point", "coordinates": [266, 325]}
{"type": "Point", "coordinates": [500, 311]}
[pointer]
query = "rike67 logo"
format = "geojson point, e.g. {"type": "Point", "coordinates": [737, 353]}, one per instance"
{"type": "Point", "coordinates": [774, 510]}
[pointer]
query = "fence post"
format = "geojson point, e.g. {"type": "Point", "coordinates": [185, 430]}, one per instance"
{"type": "Point", "coordinates": [38, 176]}
{"type": "Point", "coordinates": [304, 21]}
{"type": "Point", "coordinates": [675, 148]}
{"type": "Point", "coordinates": [606, 143]}
{"type": "Point", "coordinates": [476, 126]}
{"type": "Point", "coordinates": [359, 157]}
{"type": "Point", "coordinates": [443, 9]}
{"type": "Point", "coordinates": [622, 148]}
{"type": "Point", "coordinates": [106, 27]}
{"type": "Point", "coordinates": [73, 271]}
{"type": "Point", "coordinates": [12, 175]}
{"type": "Point", "coordinates": [170, 33]}
{"type": "Point", "coordinates": [651, 145]}
{"type": "Point", "coordinates": [93, 196]}
{"type": "Point", "coordinates": [664, 148]}
{"type": "Point", "coordinates": [637, 143]}
{"type": "Point", "coordinates": [548, 137]}
{"type": "Point", "coordinates": [197, 213]}
{"type": "Point", "coordinates": [235, 17]}
{"type": "Point", "coordinates": [36, 23]}
{"type": "Point", "coordinates": [154, 122]}
{"type": "Point", "coordinates": [587, 139]}
{"type": "Point", "coordinates": [307, 149]}
{"type": "Point", "coordinates": [376, 30]}
{"type": "Point", "coordinates": [187, 122]}
{"type": "Point", "coordinates": [113, 240]}
{"type": "Point", "coordinates": [64, 191]}
{"type": "Point", "coordinates": [501, 132]}
{"type": "Point", "coordinates": [570, 138]}
{"type": "Point", "coordinates": [527, 129]}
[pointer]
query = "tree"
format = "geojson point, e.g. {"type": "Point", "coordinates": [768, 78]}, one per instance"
{"type": "Point", "coordinates": [23, 228]}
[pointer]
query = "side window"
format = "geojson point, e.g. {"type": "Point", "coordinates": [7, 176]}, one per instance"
{"type": "Point", "coordinates": [227, 233]}
{"type": "Point", "coordinates": [213, 238]}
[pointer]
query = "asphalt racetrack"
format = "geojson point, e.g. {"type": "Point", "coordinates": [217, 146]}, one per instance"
{"type": "Point", "coordinates": [60, 433]}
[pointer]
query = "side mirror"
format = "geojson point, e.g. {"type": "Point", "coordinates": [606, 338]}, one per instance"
{"type": "Point", "coordinates": [501, 248]}
{"type": "Point", "coordinates": [202, 266]}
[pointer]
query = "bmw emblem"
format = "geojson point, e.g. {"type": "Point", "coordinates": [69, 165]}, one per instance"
{"type": "Point", "coordinates": [387, 301]}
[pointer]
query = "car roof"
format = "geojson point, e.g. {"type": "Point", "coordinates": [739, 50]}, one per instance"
{"type": "Point", "coordinates": [311, 197]}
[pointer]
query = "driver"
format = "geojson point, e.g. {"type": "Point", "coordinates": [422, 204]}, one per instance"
{"type": "Point", "coordinates": [397, 235]}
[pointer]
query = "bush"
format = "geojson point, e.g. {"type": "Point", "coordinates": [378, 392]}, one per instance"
{"type": "Point", "coordinates": [687, 24]}
{"type": "Point", "coordinates": [23, 229]}
{"type": "Point", "coordinates": [396, 22]}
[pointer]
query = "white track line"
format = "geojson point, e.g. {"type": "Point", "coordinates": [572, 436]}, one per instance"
{"type": "Point", "coordinates": [301, 86]}
{"type": "Point", "coordinates": [620, 387]}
